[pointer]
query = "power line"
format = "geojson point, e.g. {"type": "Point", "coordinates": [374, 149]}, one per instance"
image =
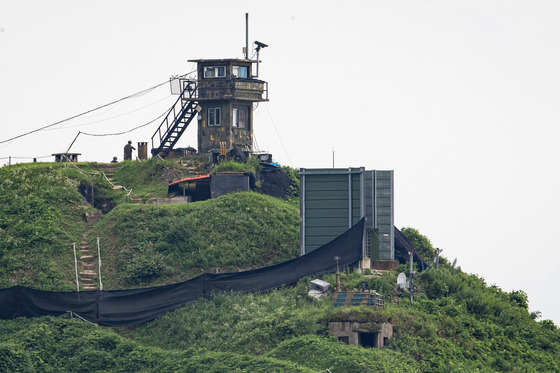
{"type": "Point", "coordinates": [278, 134]}
{"type": "Point", "coordinates": [113, 117]}
{"type": "Point", "coordinates": [140, 93]}
{"type": "Point", "coordinates": [130, 130]}
{"type": "Point", "coordinates": [44, 156]}
{"type": "Point", "coordinates": [118, 133]}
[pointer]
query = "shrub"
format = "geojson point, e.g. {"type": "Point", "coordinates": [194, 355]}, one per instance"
{"type": "Point", "coordinates": [144, 268]}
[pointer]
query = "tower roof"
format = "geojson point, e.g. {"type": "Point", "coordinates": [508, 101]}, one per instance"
{"type": "Point", "coordinates": [211, 60]}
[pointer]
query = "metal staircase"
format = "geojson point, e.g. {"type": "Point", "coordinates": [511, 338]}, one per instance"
{"type": "Point", "coordinates": [177, 120]}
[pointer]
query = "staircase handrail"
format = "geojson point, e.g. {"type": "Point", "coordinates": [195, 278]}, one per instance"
{"type": "Point", "coordinates": [192, 94]}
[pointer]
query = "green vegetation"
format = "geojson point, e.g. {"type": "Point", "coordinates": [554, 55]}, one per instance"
{"type": "Point", "coordinates": [150, 178]}
{"type": "Point", "coordinates": [421, 243]}
{"type": "Point", "coordinates": [293, 191]}
{"type": "Point", "coordinates": [472, 328]}
{"type": "Point", "coordinates": [40, 217]}
{"type": "Point", "coordinates": [145, 244]}
{"type": "Point", "coordinates": [251, 165]}
{"type": "Point", "coordinates": [457, 323]}
{"type": "Point", "coordinates": [64, 345]}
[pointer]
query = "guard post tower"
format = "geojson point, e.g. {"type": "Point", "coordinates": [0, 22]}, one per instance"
{"type": "Point", "coordinates": [226, 93]}
{"type": "Point", "coordinates": [221, 99]}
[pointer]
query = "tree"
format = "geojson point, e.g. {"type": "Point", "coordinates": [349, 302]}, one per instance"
{"type": "Point", "coordinates": [420, 242]}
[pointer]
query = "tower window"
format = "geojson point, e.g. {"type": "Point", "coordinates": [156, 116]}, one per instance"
{"type": "Point", "coordinates": [214, 71]}
{"type": "Point", "coordinates": [214, 116]}
{"type": "Point", "coordinates": [241, 71]}
{"type": "Point", "coordinates": [240, 117]}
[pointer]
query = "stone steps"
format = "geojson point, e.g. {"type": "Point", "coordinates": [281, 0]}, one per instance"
{"type": "Point", "coordinates": [87, 276]}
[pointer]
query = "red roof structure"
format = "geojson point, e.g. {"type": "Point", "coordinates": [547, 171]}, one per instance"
{"type": "Point", "coordinates": [189, 179]}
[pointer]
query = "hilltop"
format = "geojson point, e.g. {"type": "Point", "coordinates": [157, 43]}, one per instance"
{"type": "Point", "coordinates": [43, 208]}
{"type": "Point", "coordinates": [457, 322]}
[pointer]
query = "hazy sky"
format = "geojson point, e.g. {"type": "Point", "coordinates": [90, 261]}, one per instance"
{"type": "Point", "coordinates": [459, 98]}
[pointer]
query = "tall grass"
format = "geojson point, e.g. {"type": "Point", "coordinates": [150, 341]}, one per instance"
{"type": "Point", "coordinates": [145, 244]}
{"type": "Point", "coordinates": [40, 217]}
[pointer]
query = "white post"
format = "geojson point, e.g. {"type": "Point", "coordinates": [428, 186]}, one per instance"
{"type": "Point", "coordinates": [99, 257]}
{"type": "Point", "coordinates": [410, 284]}
{"type": "Point", "coordinates": [76, 267]}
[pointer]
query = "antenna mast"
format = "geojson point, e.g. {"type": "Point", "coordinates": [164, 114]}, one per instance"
{"type": "Point", "coordinates": [246, 36]}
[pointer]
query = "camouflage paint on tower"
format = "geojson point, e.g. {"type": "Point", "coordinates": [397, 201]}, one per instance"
{"type": "Point", "coordinates": [226, 93]}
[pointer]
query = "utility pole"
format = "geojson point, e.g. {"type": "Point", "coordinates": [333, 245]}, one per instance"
{"type": "Point", "coordinates": [337, 258]}
{"type": "Point", "coordinates": [333, 157]}
{"type": "Point", "coordinates": [410, 284]}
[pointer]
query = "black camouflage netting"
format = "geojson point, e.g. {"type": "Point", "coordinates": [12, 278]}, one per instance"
{"type": "Point", "coordinates": [132, 307]}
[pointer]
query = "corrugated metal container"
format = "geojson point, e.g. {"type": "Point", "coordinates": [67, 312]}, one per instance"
{"type": "Point", "coordinates": [333, 200]}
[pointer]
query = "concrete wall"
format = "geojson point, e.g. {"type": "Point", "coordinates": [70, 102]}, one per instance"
{"type": "Point", "coordinates": [350, 331]}
{"type": "Point", "coordinates": [221, 184]}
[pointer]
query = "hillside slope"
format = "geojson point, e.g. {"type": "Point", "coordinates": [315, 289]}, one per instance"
{"type": "Point", "coordinates": [143, 244]}
{"type": "Point", "coordinates": [42, 216]}
{"type": "Point", "coordinates": [456, 324]}
{"type": "Point", "coordinates": [41, 213]}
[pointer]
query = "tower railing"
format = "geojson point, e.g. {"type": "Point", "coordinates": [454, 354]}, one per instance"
{"type": "Point", "coordinates": [177, 119]}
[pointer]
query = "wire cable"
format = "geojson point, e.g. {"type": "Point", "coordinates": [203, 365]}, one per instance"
{"type": "Point", "coordinates": [255, 143]}
{"type": "Point", "coordinates": [137, 94]}
{"type": "Point", "coordinates": [128, 131]}
{"type": "Point", "coordinates": [44, 156]}
{"type": "Point", "coordinates": [97, 173]}
{"type": "Point", "coordinates": [278, 134]}
{"type": "Point", "coordinates": [114, 134]}
{"type": "Point", "coordinates": [116, 116]}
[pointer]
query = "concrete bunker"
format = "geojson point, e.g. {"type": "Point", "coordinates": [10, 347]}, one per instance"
{"type": "Point", "coordinates": [362, 334]}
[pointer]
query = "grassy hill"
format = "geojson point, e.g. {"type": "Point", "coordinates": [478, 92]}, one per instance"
{"type": "Point", "coordinates": [457, 323]}
{"type": "Point", "coordinates": [42, 213]}
{"type": "Point", "coordinates": [143, 244]}
{"type": "Point", "coordinates": [40, 216]}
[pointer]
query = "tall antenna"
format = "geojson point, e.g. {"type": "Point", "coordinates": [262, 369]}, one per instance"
{"type": "Point", "coordinates": [246, 36]}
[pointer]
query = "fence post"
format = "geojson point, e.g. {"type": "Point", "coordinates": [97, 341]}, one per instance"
{"type": "Point", "coordinates": [99, 257]}
{"type": "Point", "coordinates": [76, 267]}
{"type": "Point", "coordinates": [411, 285]}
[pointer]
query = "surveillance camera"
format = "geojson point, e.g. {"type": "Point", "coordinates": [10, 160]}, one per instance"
{"type": "Point", "coordinates": [260, 45]}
